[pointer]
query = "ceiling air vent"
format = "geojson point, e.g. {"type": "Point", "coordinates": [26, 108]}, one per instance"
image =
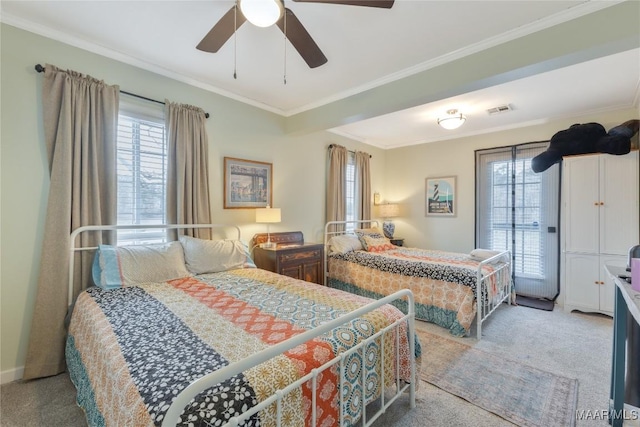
{"type": "Point", "coordinates": [500, 109]}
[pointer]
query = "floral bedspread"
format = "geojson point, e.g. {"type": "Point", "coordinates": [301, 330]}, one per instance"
{"type": "Point", "coordinates": [443, 283]}
{"type": "Point", "coordinates": [131, 350]}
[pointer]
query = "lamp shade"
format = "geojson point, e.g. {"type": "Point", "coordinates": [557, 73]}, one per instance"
{"type": "Point", "coordinates": [453, 121]}
{"type": "Point", "coordinates": [268, 215]}
{"type": "Point", "coordinates": [262, 13]}
{"type": "Point", "coordinates": [389, 210]}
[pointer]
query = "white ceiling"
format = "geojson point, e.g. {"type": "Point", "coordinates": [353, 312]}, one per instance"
{"type": "Point", "coordinates": [594, 86]}
{"type": "Point", "coordinates": [365, 47]}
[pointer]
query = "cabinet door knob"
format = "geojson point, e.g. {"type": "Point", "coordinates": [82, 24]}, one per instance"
{"type": "Point", "coordinates": [595, 203]}
{"type": "Point", "coordinates": [601, 203]}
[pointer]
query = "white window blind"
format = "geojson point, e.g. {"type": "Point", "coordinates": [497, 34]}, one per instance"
{"type": "Point", "coordinates": [513, 181]}
{"type": "Point", "coordinates": [142, 171]}
{"type": "Point", "coordinates": [350, 191]}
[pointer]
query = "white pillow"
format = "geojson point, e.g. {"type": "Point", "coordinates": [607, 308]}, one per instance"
{"type": "Point", "coordinates": [345, 243]}
{"type": "Point", "coordinates": [211, 256]}
{"type": "Point", "coordinates": [482, 254]}
{"type": "Point", "coordinates": [129, 265]}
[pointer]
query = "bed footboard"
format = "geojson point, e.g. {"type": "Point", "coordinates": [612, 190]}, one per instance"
{"type": "Point", "coordinates": [492, 288]}
{"type": "Point", "coordinates": [182, 400]}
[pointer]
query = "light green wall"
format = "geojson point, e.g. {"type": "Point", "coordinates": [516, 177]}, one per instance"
{"type": "Point", "coordinates": [407, 168]}
{"type": "Point", "coordinates": [295, 145]}
{"type": "Point", "coordinates": [235, 130]}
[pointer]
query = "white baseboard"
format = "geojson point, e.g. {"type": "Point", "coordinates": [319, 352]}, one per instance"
{"type": "Point", "coordinates": [11, 375]}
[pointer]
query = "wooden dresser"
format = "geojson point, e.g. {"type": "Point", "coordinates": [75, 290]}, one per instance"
{"type": "Point", "coordinates": [291, 256]}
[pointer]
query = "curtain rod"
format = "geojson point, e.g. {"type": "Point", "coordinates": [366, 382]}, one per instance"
{"type": "Point", "coordinates": [39, 68]}
{"type": "Point", "coordinates": [333, 145]}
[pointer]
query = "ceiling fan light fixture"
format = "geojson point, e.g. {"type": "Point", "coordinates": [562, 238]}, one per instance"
{"type": "Point", "coordinates": [453, 121]}
{"type": "Point", "coordinates": [262, 13]}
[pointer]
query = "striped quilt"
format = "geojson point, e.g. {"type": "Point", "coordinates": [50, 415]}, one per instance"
{"type": "Point", "coordinates": [131, 350]}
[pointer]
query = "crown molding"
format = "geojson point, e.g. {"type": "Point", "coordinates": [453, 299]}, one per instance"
{"type": "Point", "coordinates": [79, 43]}
{"type": "Point", "coordinates": [72, 40]}
{"type": "Point", "coordinates": [559, 18]}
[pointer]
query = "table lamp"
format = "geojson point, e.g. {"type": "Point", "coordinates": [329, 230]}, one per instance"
{"type": "Point", "coordinates": [388, 211]}
{"type": "Point", "coordinates": [268, 216]}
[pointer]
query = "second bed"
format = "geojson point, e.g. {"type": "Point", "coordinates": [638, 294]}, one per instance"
{"type": "Point", "coordinates": [450, 289]}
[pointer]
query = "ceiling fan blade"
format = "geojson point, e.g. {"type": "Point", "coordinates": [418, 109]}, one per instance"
{"type": "Point", "coordinates": [301, 39]}
{"type": "Point", "coordinates": [222, 31]}
{"type": "Point", "coordinates": [386, 4]}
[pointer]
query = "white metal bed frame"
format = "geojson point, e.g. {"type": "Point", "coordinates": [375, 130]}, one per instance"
{"type": "Point", "coordinates": [172, 416]}
{"type": "Point", "coordinates": [501, 273]}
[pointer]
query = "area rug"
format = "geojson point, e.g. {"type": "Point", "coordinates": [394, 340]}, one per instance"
{"type": "Point", "coordinates": [521, 394]}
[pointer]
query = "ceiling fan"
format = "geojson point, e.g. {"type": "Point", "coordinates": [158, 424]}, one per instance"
{"type": "Point", "coordinates": [285, 19]}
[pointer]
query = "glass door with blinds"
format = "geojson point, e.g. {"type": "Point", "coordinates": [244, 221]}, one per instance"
{"type": "Point", "coordinates": [518, 210]}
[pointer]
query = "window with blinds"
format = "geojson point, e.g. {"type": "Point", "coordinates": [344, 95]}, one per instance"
{"type": "Point", "coordinates": [350, 191]}
{"type": "Point", "coordinates": [142, 174]}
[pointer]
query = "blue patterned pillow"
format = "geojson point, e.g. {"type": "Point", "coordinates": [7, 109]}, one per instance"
{"type": "Point", "coordinates": [105, 269]}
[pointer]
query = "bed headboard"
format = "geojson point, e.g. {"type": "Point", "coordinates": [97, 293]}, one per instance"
{"type": "Point", "coordinates": [73, 247]}
{"type": "Point", "coordinates": [337, 228]}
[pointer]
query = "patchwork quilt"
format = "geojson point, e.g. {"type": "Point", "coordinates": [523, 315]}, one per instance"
{"type": "Point", "coordinates": [443, 283]}
{"type": "Point", "coordinates": [131, 350]}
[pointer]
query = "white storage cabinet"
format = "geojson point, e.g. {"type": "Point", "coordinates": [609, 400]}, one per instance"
{"type": "Point", "coordinates": [601, 223]}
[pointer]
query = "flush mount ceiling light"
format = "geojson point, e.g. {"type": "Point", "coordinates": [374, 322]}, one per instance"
{"type": "Point", "coordinates": [262, 13]}
{"type": "Point", "coordinates": [453, 121]}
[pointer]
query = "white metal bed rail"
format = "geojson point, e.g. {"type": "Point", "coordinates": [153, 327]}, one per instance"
{"type": "Point", "coordinates": [100, 228]}
{"type": "Point", "coordinates": [172, 416]}
{"type": "Point", "coordinates": [502, 275]}
{"type": "Point", "coordinates": [329, 234]}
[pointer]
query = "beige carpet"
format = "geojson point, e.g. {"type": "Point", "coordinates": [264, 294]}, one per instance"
{"type": "Point", "coordinates": [519, 393]}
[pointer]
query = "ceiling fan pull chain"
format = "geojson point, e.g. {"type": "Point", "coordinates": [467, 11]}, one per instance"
{"type": "Point", "coordinates": [235, 40]}
{"type": "Point", "coordinates": [285, 46]}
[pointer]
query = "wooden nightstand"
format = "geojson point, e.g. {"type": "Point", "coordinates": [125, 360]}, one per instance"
{"type": "Point", "coordinates": [292, 257]}
{"type": "Point", "coordinates": [397, 241]}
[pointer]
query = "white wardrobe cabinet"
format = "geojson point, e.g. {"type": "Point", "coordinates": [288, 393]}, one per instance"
{"type": "Point", "coordinates": [601, 221]}
{"type": "Point", "coordinates": [588, 288]}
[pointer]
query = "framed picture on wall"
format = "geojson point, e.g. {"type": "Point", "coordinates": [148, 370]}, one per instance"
{"type": "Point", "coordinates": [440, 196]}
{"type": "Point", "coordinates": [247, 183]}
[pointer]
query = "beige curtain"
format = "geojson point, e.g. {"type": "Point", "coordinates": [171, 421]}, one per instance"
{"type": "Point", "coordinates": [336, 185]}
{"type": "Point", "coordinates": [188, 168]}
{"type": "Point", "coordinates": [363, 185]}
{"type": "Point", "coordinates": [80, 117]}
